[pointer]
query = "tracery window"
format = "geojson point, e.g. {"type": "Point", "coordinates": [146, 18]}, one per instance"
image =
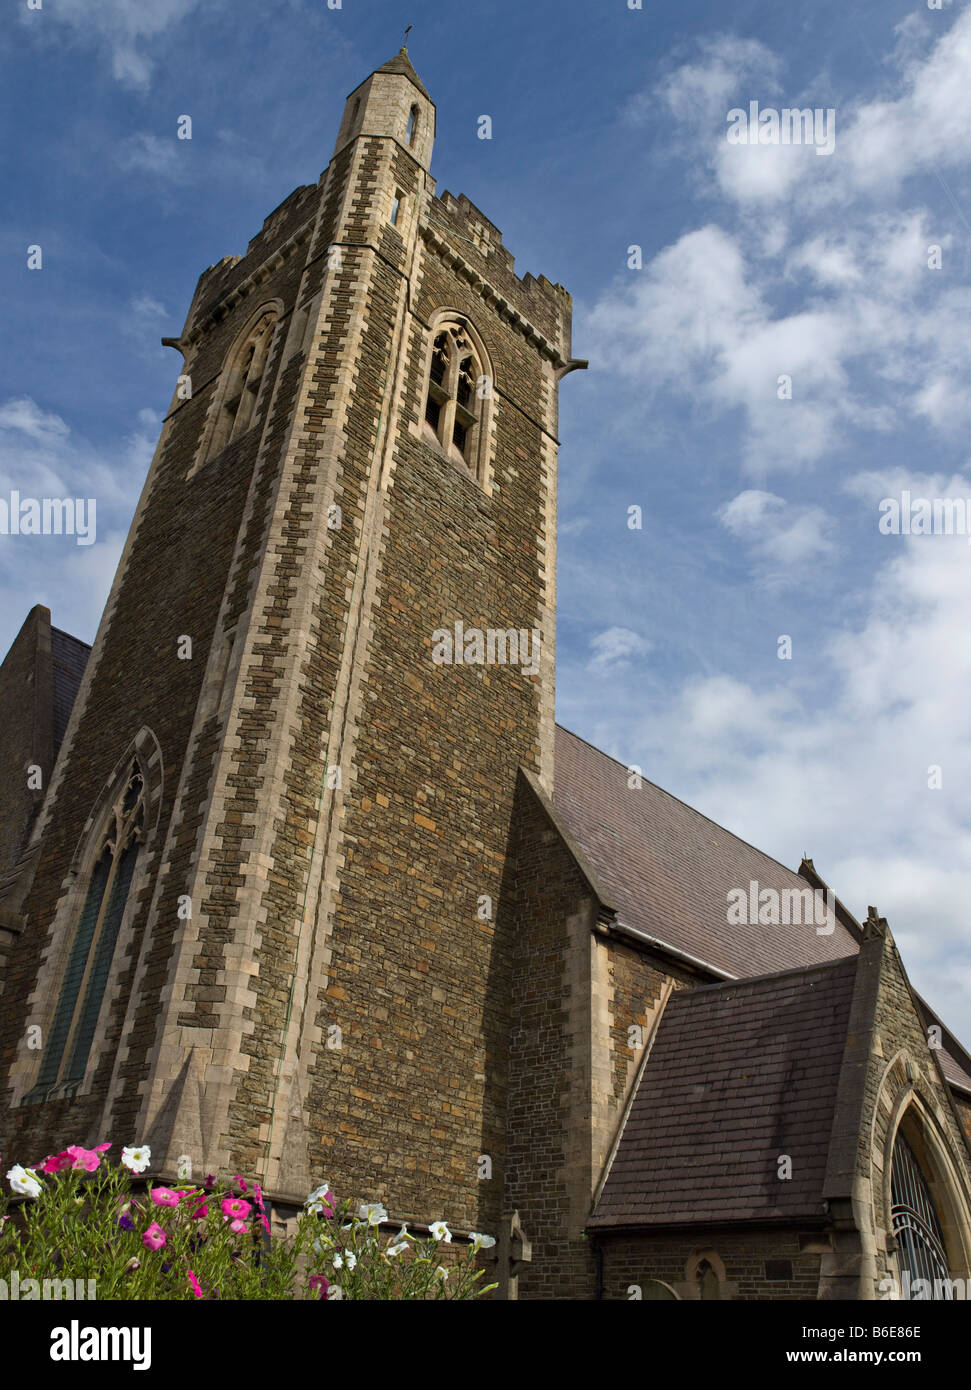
{"type": "Point", "coordinates": [243, 386]}
{"type": "Point", "coordinates": [68, 1044]}
{"type": "Point", "coordinates": [456, 389]}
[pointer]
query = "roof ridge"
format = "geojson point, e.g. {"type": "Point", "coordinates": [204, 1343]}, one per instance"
{"type": "Point", "coordinates": [771, 975]}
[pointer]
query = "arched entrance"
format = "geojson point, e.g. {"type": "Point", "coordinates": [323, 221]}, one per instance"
{"type": "Point", "coordinates": [921, 1252]}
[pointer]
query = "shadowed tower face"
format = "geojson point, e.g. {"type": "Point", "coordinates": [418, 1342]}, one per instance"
{"type": "Point", "coordinates": [328, 648]}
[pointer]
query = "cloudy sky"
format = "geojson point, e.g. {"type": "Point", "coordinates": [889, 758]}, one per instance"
{"type": "Point", "coordinates": [778, 339]}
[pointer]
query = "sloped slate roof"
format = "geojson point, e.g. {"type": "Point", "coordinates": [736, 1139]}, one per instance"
{"type": "Point", "coordinates": [69, 657]}
{"type": "Point", "coordinates": [739, 1074]}
{"type": "Point", "coordinates": [669, 869]}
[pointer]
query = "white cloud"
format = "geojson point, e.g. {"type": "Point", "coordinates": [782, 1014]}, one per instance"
{"type": "Point", "coordinates": [40, 456]}
{"type": "Point", "coordinates": [845, 776]}
{"type": "Point", "coordinates": [145, 307]}
{"type": "Point", "coordinates": [615, 649]}
{"type": "Point", "coordinates": [124, 29]}
{"type": "Point", "coordinates": [153, 154]}
{"type": "Point", "coordinates": [783, 536]}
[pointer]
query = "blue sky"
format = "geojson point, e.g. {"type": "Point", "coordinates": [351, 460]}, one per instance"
{"type": "Point", "coordinates": [760, 515]}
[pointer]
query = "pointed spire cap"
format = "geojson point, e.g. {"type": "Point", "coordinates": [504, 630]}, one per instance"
{"type": "Point", "coordinates": [400, 65]}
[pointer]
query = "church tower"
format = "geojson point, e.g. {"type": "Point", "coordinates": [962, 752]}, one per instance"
{"type": "Point", "coordinates": [263, 917]}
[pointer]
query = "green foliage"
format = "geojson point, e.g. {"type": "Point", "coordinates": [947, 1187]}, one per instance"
{"type": "Point", "coordinates": [87, 1223]}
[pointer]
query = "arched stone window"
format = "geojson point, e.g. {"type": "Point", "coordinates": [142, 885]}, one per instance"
{"type": "Point", "coordinates": [233, 410]}
{"type": "Point", "coordinates": [457, 394]}
{"type": "Point", "coordinates": [917, 1229]}
{"type": "Point", "coordinates": [705, 1278]}
{"type": "Point", "coordinates": [412, 130]}
{"type": "Point", "coordinates": [111, 860]}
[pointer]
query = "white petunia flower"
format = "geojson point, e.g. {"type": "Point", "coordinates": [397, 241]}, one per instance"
{"type": "Point", "coordinates": [441, 1273]}
{"type": "Point", "coordinates": [137, 1157]}
{"type": "Point", "coordinates": [318, 1194]}
{"type": "Point", "coordinates": [373, 1213]}
{"type": "Point", "coordinates": [440, 1231]}
{"type": "Point", "coordinates": [481, 1242]}
{"type": "Point", "coordinates": [397, 1249]}
{"type": "Point", "coordinates": [24, 1181]}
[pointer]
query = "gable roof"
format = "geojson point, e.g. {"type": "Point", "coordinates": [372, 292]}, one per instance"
{"type": "Point", "coordinates": [738, 1074]}
{"type": "Point", "coordinates": [669, 869]}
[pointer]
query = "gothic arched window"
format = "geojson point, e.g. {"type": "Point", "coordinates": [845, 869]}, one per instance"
{"type": "Point", "coordinates": [412, 125]}
{"type": "Point", "coordinates": [457, 386]}
{"type": "Point", "coordinates": [71, 1033]}
{"type": "Point", "coordinates": [916, 1224]}
{"type": "Point", "coordinates": [233, 410]}
{"type": "Point", "coordinates": [243, 386]}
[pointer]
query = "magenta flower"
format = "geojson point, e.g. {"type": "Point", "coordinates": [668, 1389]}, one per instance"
{"type": "Point", "coordinates": [258, 1193]}
{"type": "Point", "coordinates": [165, 1197]}
{"type": "Point", "coordinates": [235, 1206]}
{"type": "Point", "coordinates": [195, 1285]}
{"type": "Point", "coordinates": [154, 1237]}
{"type": "Point", "coordinates": [317, 1281]}
{"type": "Point", "coordinates": [53, 1163]}
{"type": "Point", "coordinates": [88, 1159]}
{"type": "Point", "coordinates": [238, 1227]}
{"type": "Point", "coordinates": [201, 1212]}
{"type": "Point", "coordinates": [240, 1183]}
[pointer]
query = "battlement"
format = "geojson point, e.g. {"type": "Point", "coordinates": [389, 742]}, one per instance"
{"type": "Point", "coordinates": [478, 240]}
{"type": "Point", "coordinates": [219, 280]}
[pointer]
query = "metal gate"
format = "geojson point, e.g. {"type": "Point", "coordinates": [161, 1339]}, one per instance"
{"type": "Point", "coordinates": [920, 1240]}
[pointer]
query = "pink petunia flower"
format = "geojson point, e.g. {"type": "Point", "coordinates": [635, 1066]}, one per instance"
{"type": "Point", "coordinates": [154, 1237]}
{"type": "Point", "coordinates": [201, 1212]}
{"type": "Point", "coordinates": [165, 1197]}
{"type": "Point", "coordinates": [88, 1159]}
{"type": "Point", "coordinates": [194, 1282]}
{"type": "Point", "coordinates": [235, 1206]}
{"type": "Point", "coordinates": [53, 1163]}
{"type": "Point", "coordinates": [317, 1281]}
{"type": "Point", "coordinates": [238, 1227]}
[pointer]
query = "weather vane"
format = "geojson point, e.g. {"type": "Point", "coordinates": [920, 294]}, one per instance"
{"type": "Point", "coordinates": [407, 32]}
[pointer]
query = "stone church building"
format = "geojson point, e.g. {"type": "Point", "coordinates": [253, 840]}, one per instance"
{"type": "Point", "coordinates": [300, 879]}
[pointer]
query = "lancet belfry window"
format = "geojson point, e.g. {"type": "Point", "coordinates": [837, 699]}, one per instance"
{"type": "Point", "coordinates": [920, 1239]}
{"type": "Point", "coordinates": [455, 391]}
{"type": "Point", "coordinates": [239, 394]}
{"type": "Point", "coordinates": [68, 1044]}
